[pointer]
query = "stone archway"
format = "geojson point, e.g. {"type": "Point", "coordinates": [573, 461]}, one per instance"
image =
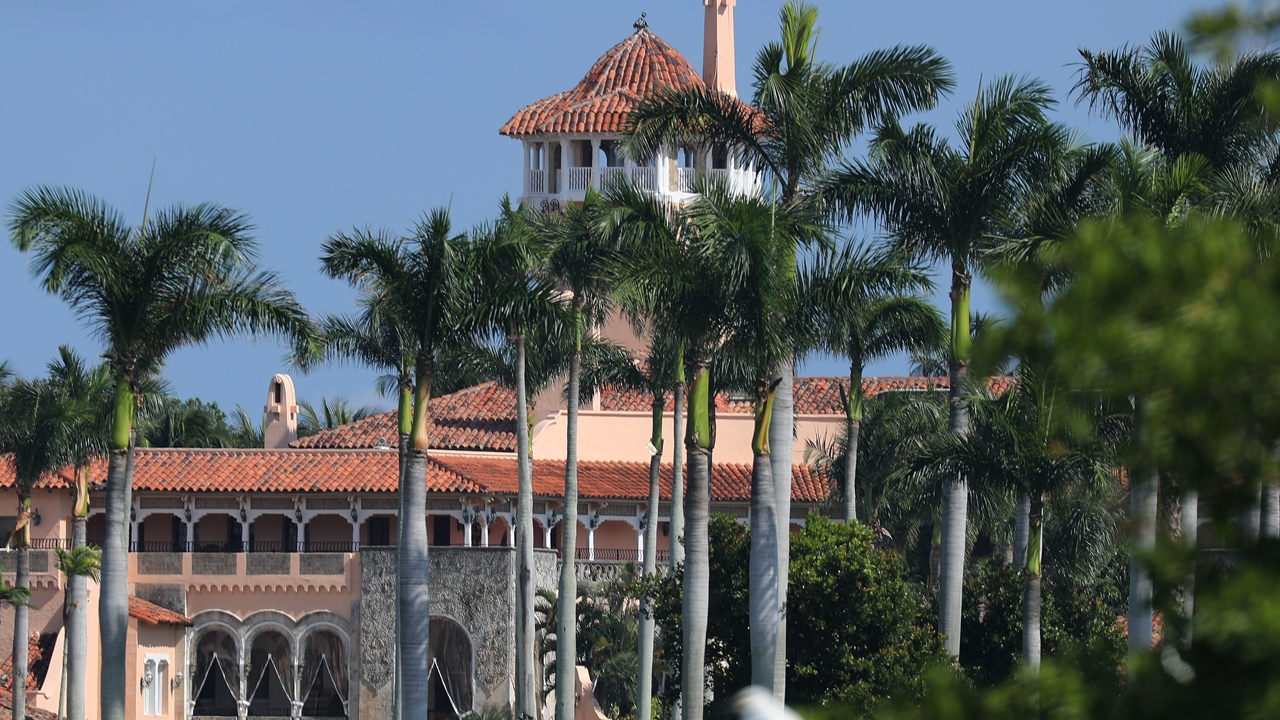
{"type": "Point", "coordinates": [452, 667]}
{"type": "Point", "coordinates": [269, 675]}
{"type": "Point", "coordinates": [215, 674]}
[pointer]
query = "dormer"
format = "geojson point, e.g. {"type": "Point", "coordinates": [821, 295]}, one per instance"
{"type": "Point", "coordinates": [282, 413]}
{"type": "Point", "coordinates": [572, 141]}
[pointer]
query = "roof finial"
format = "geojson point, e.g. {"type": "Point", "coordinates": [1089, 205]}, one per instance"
{"type": "Point", "coordinates": [641, 24]}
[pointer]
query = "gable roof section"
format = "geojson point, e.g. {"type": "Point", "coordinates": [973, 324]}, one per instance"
{"type": "Point", "coordinates": [602, 101]}
{"type": "Point", "coordinates": [482, 417]}
{"type": "Point", "coordinates": [153, 614]}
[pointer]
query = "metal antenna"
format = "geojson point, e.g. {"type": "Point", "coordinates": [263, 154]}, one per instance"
{"type": "Point", "coordinates": [641, 24]}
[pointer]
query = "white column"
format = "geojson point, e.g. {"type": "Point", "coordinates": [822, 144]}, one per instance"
{"type": "Point", "coordinates": [566, 162]}
{"type": "Point", "coordinates": [244, 534]}
{"type": "Point", "coordinates": [528, 165]}
{"type": "Point", "coordinates": [546, 534]}
{"type": "Point", "coordinates": [591, 541]}
{"type": "Point", "coordinates": [595, 163]}
{"type": "Point", "coordinates": [355, 534]}
{"type": "Point", "coordinates": [484, 529]}
{"type": "Point", "coordinates": [646, 524]}
{"type": "Point", "coordinates": [466, 534]}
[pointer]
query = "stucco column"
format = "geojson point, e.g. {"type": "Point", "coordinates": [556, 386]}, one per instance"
{"type": "Point", "coordinates": [591, 540]}
{"type": "Point", "coordinates": [484, 530]}
{"type": "Point", "coordinates": [595, 163]}
{"type": "Point", "coordinates": [566, 162]}
{"type": "Point", "coordinates": [528, 165]}
{"type": "Point", "coordinates": [244, 534]}
{"type": "Point", "coordinates": [466, 534]}
{"type": "Point", "coordinates": [546, 533]}
{"type": "Point", "coordinates": [355, 534]}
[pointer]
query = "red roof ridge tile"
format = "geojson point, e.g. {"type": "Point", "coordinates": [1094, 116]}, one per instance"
{"type": "Point", "coordinates": [153, 614]}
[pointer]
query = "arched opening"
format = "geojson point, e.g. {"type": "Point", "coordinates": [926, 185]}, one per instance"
{"type": "Point", "coordinates": [161, 532]}
{"type": "Point", "coordinates": [273, 533]}
{"type": "Point", "coordinates": [328, 533]}
{"type": "Point", "coordinates": [214, 675]}
{"type": "Point", "coordinates": [269, 675]}
{"type": "Point", "coordinates": [379, 531]}
{"type": "Point", "coordinates": [325, 683]}
{"type": "Point", "coordinates": [218, 532]}
{"type": "Point", "coordinates": [449, 695]}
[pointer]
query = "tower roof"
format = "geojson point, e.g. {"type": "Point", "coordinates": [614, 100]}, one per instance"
{"type": "Point", "coordinates": [601, 102]}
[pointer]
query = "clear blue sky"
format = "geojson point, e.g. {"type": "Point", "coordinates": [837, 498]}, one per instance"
{"type": "Point", "coordinates": [322, 115]}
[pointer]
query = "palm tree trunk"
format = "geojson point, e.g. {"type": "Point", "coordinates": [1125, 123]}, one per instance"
{"type": "Point", "coordinates": [695, 603]}
{"type": "Point", "coordinates": [1251, 518]}
{"type": "Point", "coordinates": [676, 542]}
{"type": "Point", "coordinates": [405, 418]}
{"type": "Point", "coordinates": [1271, 511]}
{"type": "Point", "coordinates": [644, 678]}
{"type": "Point", "coordinates": [526, 689]}
{"type": "Point", "coordinates": [76, 652]}
{"type": "Point", "coordinates": [20, 632]}
{"type": "Point", "coordinates": [955, 493]}
{"type": "Point", "coordinates": [113, 603]}
{"type": "Point", "coordinates": [1031, 598]}
{"type": "Point", "coordinates": [412, 559]}
{"type": "Point", "coordinates": [1021, 528]}
{"type": "Point", "coordinates": [852, 429]}
{"type": "Point", "coordinates": [676, 530]}
{"type": "Point", "coordinates": [781, 441]}
{"type": "Point", "coordinates": [763, 571]}
{"type": "Point", "coordinates": [567, 612]}
{"type": "Point", "coordinates": [1190, 522]}
{"type": "Point", "coordinates": [1143, 500]}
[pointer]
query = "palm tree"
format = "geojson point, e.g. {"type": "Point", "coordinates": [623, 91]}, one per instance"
{"type": "Point", "coordinates": [939, 202]}
{"type": "Point", "coordinates": [183, 278]}
{"type": "Point", "coordinates": [863, 304]}
{"type": "Point", "coordinates": [332, 414]}
{"type": "Point", "coordinates": [1160, 95]}
{"type": "Point", "coordinates": [18, 596]}
{"type": "Point", "coordinates": [416, 277]}
{"type": "Point", "coordinates": [376, 339]}
{"type": "Point", "coordinates": [578, 263]}
{"type": "Point", "coordinates": [89, 390]}
{"type": "Point", "coordinates": [512, 302]}
{"type": "Point", "coordinates": [805, 112]}
{"type": "Point", "coordinates": [35, 431]}
{"type": "Point", "coordinates": [80, 564]}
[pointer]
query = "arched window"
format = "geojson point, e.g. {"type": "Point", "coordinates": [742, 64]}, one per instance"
{"type": "Point", "coordinates": [450, 692]}
{"type": "Point", "coordinates": [325, 683]}
{"type": "Point", "coordinates": [269, 675]}
{"type": "Point", "coordinates": [214, 676]}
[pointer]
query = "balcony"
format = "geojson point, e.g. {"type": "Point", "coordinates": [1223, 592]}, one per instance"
{"type": "Point", "coordinates": [550, 189]}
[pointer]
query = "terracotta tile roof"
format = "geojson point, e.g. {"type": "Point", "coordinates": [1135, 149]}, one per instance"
{"type": "Point", "coordinates": [482, 417]}
{"type": "Point", "coordinates": [54, 481]}
{"type": "Point", "coordinates": [621, 480]}
{"type": "Point", "coordinates": [813, 395]}
{"type": "Point", "coordinates": [35, 652]}
{"type": "Point", "coordinates": [277, 470]}
{"type": "Point", "coordinates": [6, 709]}
{"type": "Point", "coordinates": [153, 614]}
{"type": "Point", "coordinates": [602, 101]}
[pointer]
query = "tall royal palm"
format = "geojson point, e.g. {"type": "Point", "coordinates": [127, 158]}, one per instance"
{"type": "Point", "coordinates": [376, 339]}
{"type": "Point", "coordinates": [805, 112]}
{"type": "Point", "coordinates": [36, 424]}
{"type": "Point", "coordinates": [510, 303]}
{"type": "Point", "coordinates": [89, 391]}
{"type": "Point", "coordinates": [863, 304]}
{"type": "Point", "coordinates": [948, 203]}
{"type": "Point", "coordinates": [415, 281]}
{"type": "Point", "coordinates": [578, 264]}
{"type": "Point", "coordinates": [182, 278]}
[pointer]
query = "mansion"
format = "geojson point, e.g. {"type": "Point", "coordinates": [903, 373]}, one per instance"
{"type": "Point", "coordinates": [263, 580]}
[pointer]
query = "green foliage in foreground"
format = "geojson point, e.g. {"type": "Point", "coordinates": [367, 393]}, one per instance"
{"type": "Point", "coordinates": [861, 631]}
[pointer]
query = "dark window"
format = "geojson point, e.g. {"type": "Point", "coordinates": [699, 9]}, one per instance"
{"type": "Point", "coordinates": [7, 524]}
{"type": "Point", "coordinates": [440, 527]}
{"type": "Point", "coordinates": [380, 531]}
{"type": "Point", "coordinates": [278, 389]}
{"type": "Point", "coordinates": [719, 157]}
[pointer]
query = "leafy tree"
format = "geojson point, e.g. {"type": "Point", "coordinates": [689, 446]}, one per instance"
{"type": "Point", "coordinates": [949, 203]}
{"type": "Point", "coordinates": [864, 632]}
{"type": "Point", "coordinates": [179, 279]}
{"type": "Point", "coordinates": [189, 423]}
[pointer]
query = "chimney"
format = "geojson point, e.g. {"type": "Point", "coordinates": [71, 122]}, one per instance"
{"type": "Point", "coordinates": [282, 413]}
{"type": "Point", "coordinates": [717, 47]}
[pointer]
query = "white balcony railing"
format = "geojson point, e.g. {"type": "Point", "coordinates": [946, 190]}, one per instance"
{"type": "Point", "coordinates": [686, 180]}
{"type": "Point", "coordinates": [579, 179]}
{"type": "Point", "coordinates": [610, 175]}
{"type": "Point", "coordinates": [644, 178]}
{"type": "Point", "coordinates": [537, 182]}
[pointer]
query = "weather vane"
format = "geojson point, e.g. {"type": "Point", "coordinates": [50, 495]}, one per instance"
{"type": "Point", "coordinates": [641, 24]}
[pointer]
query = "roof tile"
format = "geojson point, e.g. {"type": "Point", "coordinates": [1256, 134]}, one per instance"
{"type": "Point", "coordinates": [153, 614]}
